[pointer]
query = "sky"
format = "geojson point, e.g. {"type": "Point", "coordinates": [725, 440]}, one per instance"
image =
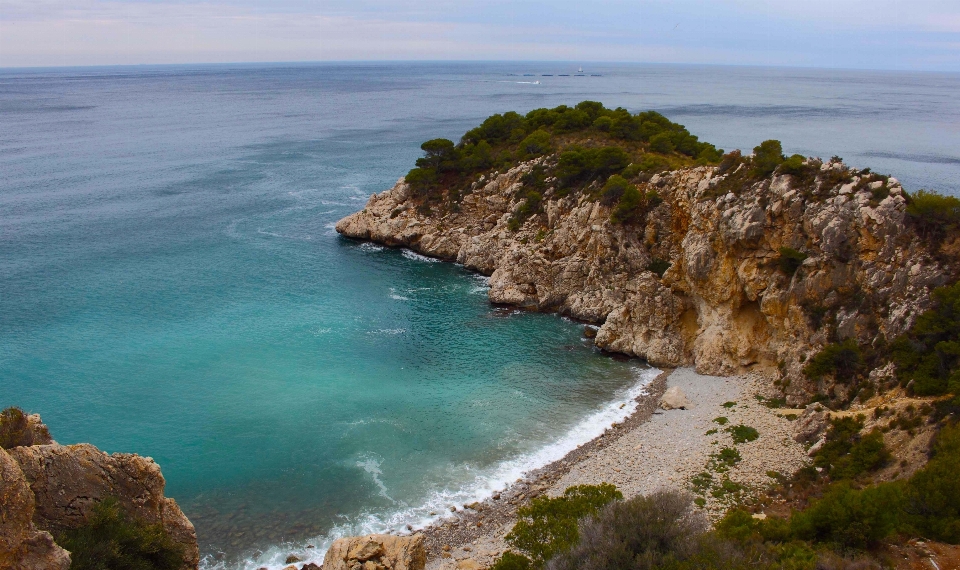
{"type": "Point", "coordinates": [860, 34]}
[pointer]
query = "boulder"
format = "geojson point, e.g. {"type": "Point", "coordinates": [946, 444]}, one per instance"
{"type": "Point", "coordinates": [811, 424]}
{"type": "Point", "coordinates": [68, 480]}
{"type": "Point", "coordinates": [674, 399]}
{"type": "Point", "coordinates": [22, 545]}
{"type": "Point", "coordinates": [377, 552]}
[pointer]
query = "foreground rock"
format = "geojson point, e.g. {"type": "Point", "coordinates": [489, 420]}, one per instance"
{"type": "Point", "coordinates": [377, 552]}
{"type": "Point", "coordinates": [725, 303]}
{"type": "Point", "coordinates": [52, 488]}
{"type": "Point", "coordinates": [22, 545]}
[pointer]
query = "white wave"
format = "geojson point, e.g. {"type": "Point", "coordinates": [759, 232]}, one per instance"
{"type": "Point", "coordinates": [370, 246]}
{"type": "Point", "coordinates": [484, 483]}
{"type": "Point", "coordinates": [371, 465]}
{"type": "Point", "coordinates": [319, 332]}
{"type": "Point", "coordinates": [394, 295]}
{"type": "Point", "coordinates": [387, 331]}
{"type": "Point", "coordinates": [410, 254]}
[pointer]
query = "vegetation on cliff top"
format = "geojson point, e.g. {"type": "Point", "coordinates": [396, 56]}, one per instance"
{"type": "Point", "coordinates": [591, 143]}
{"type": "Point", "coordinates": [15, 429]}
{"type": "Point", "coordinates": [110, 540]}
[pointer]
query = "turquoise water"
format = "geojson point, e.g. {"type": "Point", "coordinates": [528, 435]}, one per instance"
{"type": "Point", "coordinates": [171, 284]}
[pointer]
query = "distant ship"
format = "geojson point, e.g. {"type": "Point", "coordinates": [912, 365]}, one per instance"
{"type": "Point", "coordinates": [580, 70]}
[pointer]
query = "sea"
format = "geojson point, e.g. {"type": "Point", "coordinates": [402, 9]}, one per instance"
{"type": "Point", "coordinates": [171, 283]}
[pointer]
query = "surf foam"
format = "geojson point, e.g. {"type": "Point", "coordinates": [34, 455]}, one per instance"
{"type": "Point", "coordinates": [485, 483]}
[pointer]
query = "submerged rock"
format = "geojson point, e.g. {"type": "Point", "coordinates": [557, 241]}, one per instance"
{"type": "Point", "coordinates": [377, 552]}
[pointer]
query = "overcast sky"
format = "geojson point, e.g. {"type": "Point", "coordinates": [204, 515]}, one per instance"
{"type": "Point", "coordinates": [874, 34]}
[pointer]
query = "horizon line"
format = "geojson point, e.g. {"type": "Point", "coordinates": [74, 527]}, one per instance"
{"type": "Point", "coordinates": [469, 61]}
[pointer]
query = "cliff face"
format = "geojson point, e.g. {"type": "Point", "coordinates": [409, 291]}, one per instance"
{"type": "Point", "coordinates": [52, 488]}
{"type": "Point", "coordinates": [22, 545]}
{"type": "Point", "coordinates": [727, 303]}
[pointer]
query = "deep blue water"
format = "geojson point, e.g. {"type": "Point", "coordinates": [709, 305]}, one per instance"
{"type": "Point", "coordinates": [171, 285]}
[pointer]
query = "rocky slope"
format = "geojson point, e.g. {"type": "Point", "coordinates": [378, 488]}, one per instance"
{"type": "Point", "coordinates": [725, 304]}
{"type": "Point", "coordinates": [48, 488]}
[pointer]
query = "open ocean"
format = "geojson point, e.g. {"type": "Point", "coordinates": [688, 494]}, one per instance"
{"type": "Point", "coordinates": [171, 283]}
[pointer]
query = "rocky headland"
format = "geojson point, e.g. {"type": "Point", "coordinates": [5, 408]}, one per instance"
{"type": "Point", "coordinates": [791, 286]}
{"type": "Point", "coordinates": [724, 303]}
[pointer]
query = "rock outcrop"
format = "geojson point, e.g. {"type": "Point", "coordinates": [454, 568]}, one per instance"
{"type": "Point", "coordinates": [724, 304]}
{"type": "Point", "coordinates": [22, 545]}
{"type": "Point", "coordinates": [377, 552]}
{"type": "Point", "coordinates": [51, 488]}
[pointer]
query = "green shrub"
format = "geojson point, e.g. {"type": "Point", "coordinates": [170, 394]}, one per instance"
{"type": "Point", "coordinates": [847, 454]}
{"type": "Point", "coordinates": [933, 496]}
{"type": "Point", "coordinates": [790, 260]}
{"type": "Point", "coordinates": [532, 204]}
{"type": "Point", "coordinates": [767, 157]}
{"type": "Point", "coordinates": [421, 179]}
{"type": "Point", "coordinates": [866, 455]}
{"type": "Point", "coordinates": [496, 128]}
{"type": "Point", "coordinates": [662, 143]}
{"type": "Point", "coordinates": [793, 165]}
{"type": "Point", "coordinates": [15, 430]}
{"type": "Point", "coordinates": [548, 526]}
{"type": "Point", "coordinates": [109, 540]}
{"type": "Point", "coordinates": [729, 162]}
{"type": "Point", "coordinates": [633, 206]}
{"type": "Point", "coordinates": [614, 189]}
{"type": "Point", "coordinates": [580, 166]}
{"type": "Point", "coordinates": [658, 266]}
{"type": "Point", "coordinates": [536, 144]}
{"type": "Point", "coordinates": [840, 359]}
{"type": "Point", "coordinates": [851, 518]}
{"type": "Point", "coordinates": [742, 433]}
{"type": "Point", "coordinates": [641, 533]}
{"type": "Point", "coordinates": [934, 215]}
{"type": "Point", "coordinates": [928, 355]}
{"type": "Point", "coordinates": [725, 459]}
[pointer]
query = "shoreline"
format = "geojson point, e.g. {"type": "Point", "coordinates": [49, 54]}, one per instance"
{"type": "Point", "coordinates": [486, 519]}
{"type": "Point", "coordinates": [648, 450]}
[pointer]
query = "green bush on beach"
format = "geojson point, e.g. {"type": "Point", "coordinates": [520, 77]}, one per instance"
{"type": "Point", "coordinates": [548, 526]}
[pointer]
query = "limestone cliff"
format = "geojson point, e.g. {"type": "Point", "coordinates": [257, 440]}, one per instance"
{"type": "Point", "coordinates": [727, 302]}
{"type": "Point", "coordinates": [51, 488]}
{"type": "Point", "coordinates": [22, 545]}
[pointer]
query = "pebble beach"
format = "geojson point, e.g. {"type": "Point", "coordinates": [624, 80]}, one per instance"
{"type": "Point", "coordinates": [652, 449]}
